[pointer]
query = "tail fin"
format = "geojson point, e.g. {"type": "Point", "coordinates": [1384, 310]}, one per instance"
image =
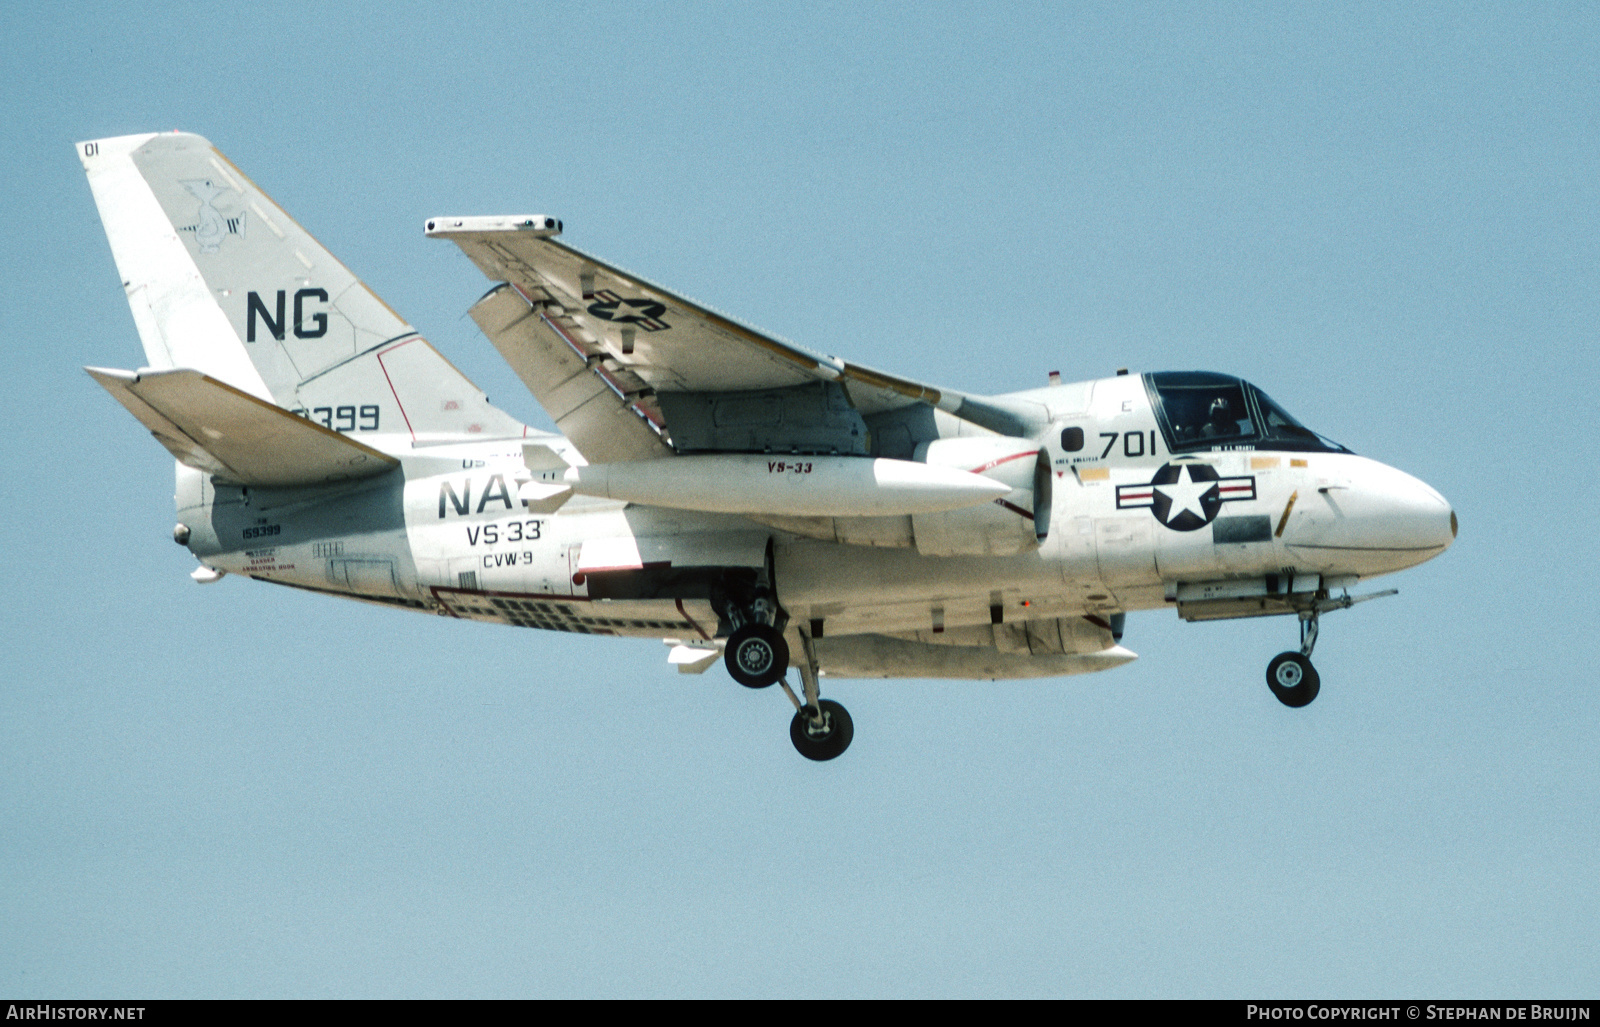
{"type": "Point", "coordinates": [221, 280]}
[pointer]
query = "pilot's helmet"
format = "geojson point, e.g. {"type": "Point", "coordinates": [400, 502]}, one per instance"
{"type": "Point", "coordinates": [1219, 409]}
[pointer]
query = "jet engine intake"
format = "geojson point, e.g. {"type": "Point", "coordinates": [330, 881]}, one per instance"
{"type": "Point", "coordinates": [1009, 524]}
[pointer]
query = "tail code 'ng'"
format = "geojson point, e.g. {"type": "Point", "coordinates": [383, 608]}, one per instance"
{"type": "Point", "coordinates": [222, 280]}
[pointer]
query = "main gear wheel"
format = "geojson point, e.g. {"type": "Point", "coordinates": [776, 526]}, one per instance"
{"type": "Point", "coordinates": [756, 655]}
{"type": "Point", "coordinates": [821, 732]}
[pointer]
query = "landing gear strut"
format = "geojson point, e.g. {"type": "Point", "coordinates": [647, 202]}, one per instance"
{"type": "Point", "coordinates": [757, 654]}
{"type": "Point", "coordinates": [821, 728]}
{"type": "Point", "coordinates": [1290, 675]}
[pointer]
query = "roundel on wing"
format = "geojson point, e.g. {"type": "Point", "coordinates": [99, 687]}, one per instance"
{"type": "Point", "coordinates": [640, 312]}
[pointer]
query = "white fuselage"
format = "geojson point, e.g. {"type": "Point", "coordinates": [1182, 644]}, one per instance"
{"type": "Point", "coordinates": [445, 532]}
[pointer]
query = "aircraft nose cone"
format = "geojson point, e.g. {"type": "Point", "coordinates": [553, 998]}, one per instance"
{"type": "Point", "coordinates": [1368, 518]}
{"type": "Point", "coordinates": [1429, 519]}
{"type": "Point", "coordinates": [1400, 513]}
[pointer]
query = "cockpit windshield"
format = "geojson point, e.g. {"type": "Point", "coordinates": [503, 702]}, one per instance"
{"type": "Point", "coordinates": [1277, 427]}
{"type": "Point", "coordinates": [1201, 410]}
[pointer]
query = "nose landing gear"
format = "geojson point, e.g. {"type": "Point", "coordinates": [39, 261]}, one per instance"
{"type": "Point", "coordinates": [1290, 675]}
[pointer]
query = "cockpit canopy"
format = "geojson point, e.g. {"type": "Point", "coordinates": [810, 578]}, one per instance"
{"type": "Point", "coordinates": [1203, 410]}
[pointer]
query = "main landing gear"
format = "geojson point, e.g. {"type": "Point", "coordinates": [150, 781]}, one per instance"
{"type": "Point", "coordinates": [758, 655]}
{"type": "Point", "coordinates": [821, 728]}
{"type": "Point", "coordinates": [821, 732]}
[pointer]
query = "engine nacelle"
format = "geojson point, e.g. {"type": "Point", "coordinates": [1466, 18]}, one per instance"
{"type": "Point", "coordinates": [1009, 525]}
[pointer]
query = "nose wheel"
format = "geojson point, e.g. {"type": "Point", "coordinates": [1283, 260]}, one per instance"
{"type": "Point", "coordinates": [1290, 675]}
{"type": "Point", "coordinates": [1292, 678]}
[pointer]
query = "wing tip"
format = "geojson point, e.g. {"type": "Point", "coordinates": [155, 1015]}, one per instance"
{"type": "Point", "coordinates": [540, 226]}
{"type": "Point", "coordinates": [102, 374]}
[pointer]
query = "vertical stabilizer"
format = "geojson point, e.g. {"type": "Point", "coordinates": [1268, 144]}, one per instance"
{"type": "Point", "coordinates": [181, 323]}
{"type": "Point", "coordinates": [223, 281]}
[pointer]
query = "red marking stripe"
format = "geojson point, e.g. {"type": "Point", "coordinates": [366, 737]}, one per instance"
{"type": "Point", "coordinates": [572, 343]}
{"type": "Point", "coordinates": [392, 392]}
{"type": "Point", "coordinates": [992, 464]}
{"type": "Point", "coordinates": [438, 591]}
{"type": "Point", "coordinates": [691, 620]}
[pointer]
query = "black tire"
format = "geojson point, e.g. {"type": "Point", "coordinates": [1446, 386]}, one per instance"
{"type": "Point", "coordinates": [832, 740]}
{"type": "Point", "coordinates": [756, 656]}
{"type": "Point", "coordinates": [1293, 680]}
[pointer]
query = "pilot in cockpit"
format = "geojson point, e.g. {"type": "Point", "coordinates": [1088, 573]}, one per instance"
{"type": "Point", "coordinates": [1220, 421]}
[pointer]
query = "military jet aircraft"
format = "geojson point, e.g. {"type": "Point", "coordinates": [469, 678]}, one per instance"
{"type": "Point", "coordinates": [742, 498]}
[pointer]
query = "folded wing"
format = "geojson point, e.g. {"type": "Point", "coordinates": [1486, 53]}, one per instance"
{"type": "Point", "coordinates": [630, 370]}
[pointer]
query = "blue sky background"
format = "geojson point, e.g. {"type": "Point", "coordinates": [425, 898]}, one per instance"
{"type": "Point", "coordinates": [1385, 215]}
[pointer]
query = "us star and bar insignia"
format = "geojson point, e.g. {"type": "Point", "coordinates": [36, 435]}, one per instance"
{"type": "Point", "coordinates": [1186, 496]}
{"type": "Point", "coordinates": [642, 312]}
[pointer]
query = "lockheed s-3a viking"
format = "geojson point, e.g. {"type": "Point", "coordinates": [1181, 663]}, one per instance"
{"type": "Point", "coordinates": [742, 498]}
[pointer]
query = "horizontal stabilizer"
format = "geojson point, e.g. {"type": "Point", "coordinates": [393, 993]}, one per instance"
{"type": "Point", "coordinates": [219, 429]}
{"type": "Point", "coordinates": [548, 494]}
